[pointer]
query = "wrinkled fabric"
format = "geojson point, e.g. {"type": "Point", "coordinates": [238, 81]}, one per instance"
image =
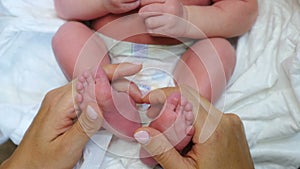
{"type": "Point", "coordinates": [264, 89]}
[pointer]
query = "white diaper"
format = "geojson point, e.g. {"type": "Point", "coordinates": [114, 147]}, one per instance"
{"type": "Point", "coordinates": [158, 61]}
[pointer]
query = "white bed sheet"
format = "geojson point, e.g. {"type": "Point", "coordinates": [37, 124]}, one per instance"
{"type": "Point", "coordinates": [264, 90]}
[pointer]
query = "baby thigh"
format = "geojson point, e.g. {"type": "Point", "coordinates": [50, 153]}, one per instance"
{"type": "Point", "coordinates": [207, 66]}
{"type": "Point", "coordinates": [78, 48]}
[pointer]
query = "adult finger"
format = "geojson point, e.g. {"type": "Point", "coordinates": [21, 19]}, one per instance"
{"type": "Point", "coordinates": [88, 123]}
{"type": "Point", "coordinates": [56, 112]}
{"type": "Point", "coordinates": [124, 85]}
{"type": "Point", "coordinates": [158, 96]}
{"type": "Point", "coordinates": [160, 148]}
{"type": "Point", "coordinates": [116, 71]}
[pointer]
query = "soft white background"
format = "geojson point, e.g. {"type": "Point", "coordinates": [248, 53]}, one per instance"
{"type": "Point", "coordinates": [264, 90]}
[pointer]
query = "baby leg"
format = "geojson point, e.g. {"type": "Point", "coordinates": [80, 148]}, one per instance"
{"type": "Point", "coordinates": [175, 122]}
{"type": "Point", "coordinates": [77, 48]}
{"type": "Point", "coordinates": [207, 67]}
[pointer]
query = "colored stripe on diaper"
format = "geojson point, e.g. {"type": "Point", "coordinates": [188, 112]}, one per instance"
{"type": "Point", "coordinates": [140, 50]}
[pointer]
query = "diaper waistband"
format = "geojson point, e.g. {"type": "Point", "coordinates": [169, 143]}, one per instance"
{"type": "Point", "coordinates": [119, 48]}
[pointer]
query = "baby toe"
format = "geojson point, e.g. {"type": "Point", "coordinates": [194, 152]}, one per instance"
{"type": "Point", "coordinates": [189, 117]}
{"type": "Point", "coordinates": [78, 98]}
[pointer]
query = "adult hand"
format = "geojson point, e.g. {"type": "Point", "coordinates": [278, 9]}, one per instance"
{"type": "Point", "coordinates": [54, 139]}
{"type": "Point", "coordinates": [226, 148]}
{"type": "Point", "coordinates": [57, 135]}
{"type": "Point", "coordinates": [164, 17]}
{"type": "Point", "coordinates": [120, 6]}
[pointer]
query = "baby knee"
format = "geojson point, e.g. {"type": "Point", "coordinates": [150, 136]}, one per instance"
{"type": "Point", "coordinates": [226, 53]}
{"type": "Point", "coordinates": [68, 29]}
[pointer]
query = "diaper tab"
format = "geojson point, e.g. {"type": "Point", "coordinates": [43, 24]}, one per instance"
{"type": "Point", "coordinates": [139, 50]}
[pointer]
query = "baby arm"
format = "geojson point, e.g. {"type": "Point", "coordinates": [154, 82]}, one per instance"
{"type": "Point", "coordinates": [92, 9]}
{"type": "Point", "coordinates": [224, 18]}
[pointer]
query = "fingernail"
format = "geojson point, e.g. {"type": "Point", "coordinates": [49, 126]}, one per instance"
{"type": "Point", "coordinates": [91, 113]}
{"type": "Point", "coordinates": [142, 137]}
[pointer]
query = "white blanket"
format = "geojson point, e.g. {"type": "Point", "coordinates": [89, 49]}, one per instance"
{"type": "Point", "coordinates": [264, 90]}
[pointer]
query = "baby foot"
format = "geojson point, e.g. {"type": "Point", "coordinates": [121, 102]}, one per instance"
{"type": "Point", "coordinates": [85, 92]}
{"type": "Point", "coordinates": [119, 112]}
{"type": "Point", "coordinates": [175, 122]}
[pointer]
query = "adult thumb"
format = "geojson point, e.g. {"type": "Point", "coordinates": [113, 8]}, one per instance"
{"type": "Point", "coordinates": [156, 144]}
{"type": "Point", "coordinates": [88, 123]}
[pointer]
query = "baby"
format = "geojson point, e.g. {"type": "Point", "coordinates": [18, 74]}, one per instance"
{"type": "Point", "coordinates": [153, 32]}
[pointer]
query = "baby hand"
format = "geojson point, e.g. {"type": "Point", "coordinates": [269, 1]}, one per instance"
{"type": "Point", "coordinates": [120, 6]}
{"type": "Point", "coordinates": [164, 17]}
